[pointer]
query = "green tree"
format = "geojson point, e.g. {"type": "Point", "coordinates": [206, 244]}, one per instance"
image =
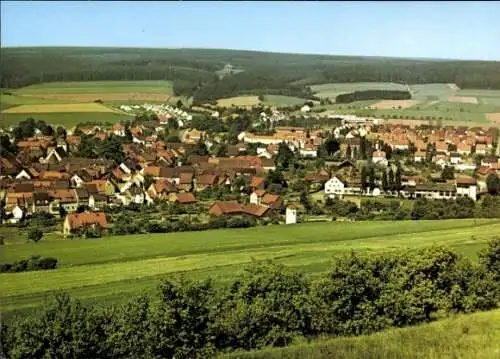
{"type": "Point", "coordinates": [493, 184]}
{"type": "Point", "coordinates": [448, 173]}
{"type": "Point", "coordinates": [397, 179]}
{"type": "Point", "coordinates": [34, 234]}
{"type": "Point", "coordinates": [385, 182]}
{"type": "Point", "coordinates": [348, 153]}
{"type": "Point", "coordinates": [285, 157]}
{"type": "Point", "coordinates": [148, 181]}
{"type": "Point", "coordinates": [61, 132]}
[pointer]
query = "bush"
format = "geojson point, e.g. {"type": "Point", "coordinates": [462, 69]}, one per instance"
{"type": "Point", "coordinates": [33, 263]}
{"type": "Point", "coordinates": [35, 235]}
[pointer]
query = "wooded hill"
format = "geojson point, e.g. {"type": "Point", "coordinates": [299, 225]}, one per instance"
{"type": "Point", "coordinates": [194, 71]}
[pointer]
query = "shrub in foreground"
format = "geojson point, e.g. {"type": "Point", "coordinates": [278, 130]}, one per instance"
{"type": "Point", "coordinates": [267, 305]}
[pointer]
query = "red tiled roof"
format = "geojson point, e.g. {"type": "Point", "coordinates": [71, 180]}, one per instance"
{"type": "Point", "coordinates": [186, 197]}
{"type": "Point", "coordinates": [79, 220]}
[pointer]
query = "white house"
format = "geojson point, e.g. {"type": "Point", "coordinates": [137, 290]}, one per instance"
{"type": "Point", "coordinates": [420, 156]}
{"type": "Point", "coordinates": [291, 215]}
{"type": "Point", "coordinates": [305, 109]}
{"type": "Point", "coordinates": [334, 187]}
{"type": "Point", "coordinates": [379, 157]}
{"type": "Point", "coordinates": [467, 187]}
{"type": "Point", "coordinates": [77, 181]}
{"type": "Point", "coordinates": [17, 214]}
{"type": "Point", "coordinates": [23, 174]}
{"type": "Point", "coordinates": [455, 158]}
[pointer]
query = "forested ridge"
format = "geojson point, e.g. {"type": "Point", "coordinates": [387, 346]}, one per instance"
{"type": "Point", "coordinates": [195, 71]}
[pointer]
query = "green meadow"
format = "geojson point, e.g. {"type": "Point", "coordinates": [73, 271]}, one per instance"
{"type": "Point", "coordinates": [471, 336]}
{"type": "Point", "coordinates": [112, 268]}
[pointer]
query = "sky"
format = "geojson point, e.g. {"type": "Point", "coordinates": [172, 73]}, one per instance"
{"type": "Point", "coordinates": [458, 30]}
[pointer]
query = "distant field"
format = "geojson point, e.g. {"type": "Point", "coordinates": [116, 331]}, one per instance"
{"type": "Point", "coordinates": [494, 117]}
{"type": "Point", "coordinates": [238, 101]}
{"type": "Point", "coordinates": [334, 89]}
{"type": "Point", "coordinates": [93, 87]}
{"type": "Point", "coordinates": [61, 118]}
{"type": "Point", "coordinates": [463, 99]}
{"type": "Point", "coordinates": [394, 104]}
{"type": "Point", "coordinates": [56, 108]}
{"type": "Point", "coordinates": [278, 100]}
{"type": "Point", "coordinates": [471, 336]}
{"type": "Point", "coordinates": [113, 268]}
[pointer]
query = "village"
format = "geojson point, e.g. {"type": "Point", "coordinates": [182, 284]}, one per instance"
{"type": "Point", "coordinates": [277, 174]}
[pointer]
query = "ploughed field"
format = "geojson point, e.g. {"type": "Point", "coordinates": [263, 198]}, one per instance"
{"type": "Point", "coordinates": [110, 269]}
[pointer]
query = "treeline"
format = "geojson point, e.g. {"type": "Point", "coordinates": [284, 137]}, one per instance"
{"type": "Point", "coordinates": [373, 95]}
{"type": "Point", "coordinates": [33, 263]}
{"type": "Point", "coordinates": [194, 71]}
{"type": "Point", "coordinates": [267, 305]}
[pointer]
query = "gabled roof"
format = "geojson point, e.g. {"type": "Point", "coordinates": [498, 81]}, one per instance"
{"type": "Point", "coordinates": [186, 197]}
{"type": "Point", "coordinates": [79, 220]}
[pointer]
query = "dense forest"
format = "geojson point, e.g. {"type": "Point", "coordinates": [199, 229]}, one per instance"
{"type": "Point", "coordinates": [195, 71]}
{"type": "Point", "coordinates": [267, 305]}
{"type": "Point", "coordinates": [373, 95]}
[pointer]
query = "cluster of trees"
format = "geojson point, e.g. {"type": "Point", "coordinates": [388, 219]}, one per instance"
{"type": "Point", "coordinates": [91, 147]}
{"type": "Point", "coordinates": [462, 207]}
{"type": "Point", "coordinates": [267, 305]}
{"type": "Point", "coordinates": [33, 263]}
{"type": "Point", "coordinates": [373, 95]}
{"type": "Point", "coordinates": [123, 225]}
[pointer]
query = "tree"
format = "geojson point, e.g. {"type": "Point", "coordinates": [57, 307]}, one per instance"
{"type": "Point", "coordinates": [6, 147]}
{"type": "Point", "coordinates": [385, 182]}
{"type": "Point", "coordinates": [172, 124]}
{"type": "Point", "coordinates": [34, 234]}
{"type": "Point", "coordinates": [493, 184]}
{"type": "Point", "coordinates": [348, 152]}
{"type": "Point", "coordinates": [61, 132]}
{"type": "Point", "coordinates": [261, 98]}
{"type": "Point", "coordinates": [221, 150]}
{"type": "Point", "coordinates": [391, 181]}
{"type": "Point", "coordinates": [371, 176]}
{"type": "Point", "coordinates": [200, 148]}
{"type": "Point", "coordinates": [285, 156]}
{"type": "Point", "coordinates": [62, 211]}
{"type": "Point", "coordinates": [364, 178]}
{"type": "Point", "coordinates": [148, 181]}
{"type": "Point", "coordinates": [331, 145]}
{"type": "Point", "coordinates": [448, 173]}
{"type": "Point", "coordinates": [397, 179]}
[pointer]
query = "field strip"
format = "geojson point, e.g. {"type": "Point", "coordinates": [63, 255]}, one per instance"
{"type": "Point", "coordinates": [101, 274]}
{"type": "Point", "coordinates": [67, 108]}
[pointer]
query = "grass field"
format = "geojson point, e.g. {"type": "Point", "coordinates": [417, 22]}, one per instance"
{"type": "Point", "coordinates": [113, 268]}
{"type": "Point", "coordinates": [238, 101]}
{"type": "Point", "coordinates": [453, 105]}
{"type": "Point", "coordinates": [278, 100]}
{"type": "Point", "coordinates": [472, 336]}
{"type": "Point", "coordinates": [332, 90]}
{"type": "Point", "coordinates": [98, 87]}
{"type": "Point", "coordinates": [58, 108]}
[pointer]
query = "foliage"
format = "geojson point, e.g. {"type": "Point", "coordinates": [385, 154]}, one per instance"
{"type": "Point", "coordinates": [34, 234]}
{"type": "Point", "coordinates": [33, 263]}
{"type": "Point", "coordinates": [493, 184]}
{"type": "Point", "coordinates": [372, 95]}
{"type": "Point", "coordinates": [267, 305]}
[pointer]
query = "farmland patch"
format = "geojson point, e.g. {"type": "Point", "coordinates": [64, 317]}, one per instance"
{"type": "Point", "coordinates": [238, 101]}
{"type": "Point", "coordinates": [393, 104]}
{"type": "Point", "coordinates": [54, 108]}
{"type": "Point", "coordinates": [494, 117]}
{"type": "Point", "coordinates": [463, 99]}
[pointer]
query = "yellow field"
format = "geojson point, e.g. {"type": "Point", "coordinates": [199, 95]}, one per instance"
{"type": "Point", "coordinates": [493, 117]}
{"type": "Point", "coordinates": [393, 104]}
{"type": "Point", "coordinates": [75, 107]}
{"type": "Point", "coordinates": [239, 101]}
{"type": "Point", "coordinates": [89, 97]}
{"type": "Point", "coordinates": [463, 99]}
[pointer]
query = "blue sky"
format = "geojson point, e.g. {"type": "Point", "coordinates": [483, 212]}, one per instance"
{"type": "Point", "coordinates": [462, 30]}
